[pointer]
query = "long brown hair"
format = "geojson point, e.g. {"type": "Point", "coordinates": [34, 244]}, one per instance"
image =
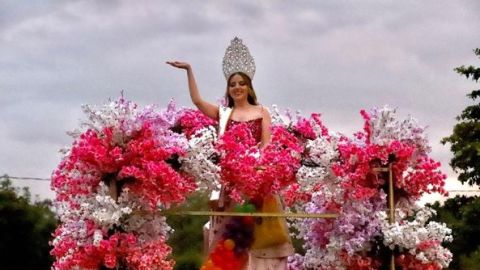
{"type": "Point", "coordinates": [252, 97]}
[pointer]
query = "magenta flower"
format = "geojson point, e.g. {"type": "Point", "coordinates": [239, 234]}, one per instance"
{"type": "Point", "coordinates": [247, 171]}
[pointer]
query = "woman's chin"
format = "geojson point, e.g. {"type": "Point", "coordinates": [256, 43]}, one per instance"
{"type": "Point", "coordinates": [239, 98]}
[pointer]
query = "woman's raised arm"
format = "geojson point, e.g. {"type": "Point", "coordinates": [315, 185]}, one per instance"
{"type": "Point", "coordinates": [205, 107]}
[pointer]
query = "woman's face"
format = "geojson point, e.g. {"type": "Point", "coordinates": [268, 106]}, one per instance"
{"type": "Point", "coordinates": [238, 88]}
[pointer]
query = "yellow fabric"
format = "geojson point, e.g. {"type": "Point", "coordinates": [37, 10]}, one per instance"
{"type": "Point", "coordinates": [272, 231]}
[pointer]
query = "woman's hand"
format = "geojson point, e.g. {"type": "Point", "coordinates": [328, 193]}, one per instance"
{"type": "Point", "coordinates": [260, 168]}
{"type": "Point", "coordinates": [210, 110]}
{"type": "Point", "coordinates": [178, 64]}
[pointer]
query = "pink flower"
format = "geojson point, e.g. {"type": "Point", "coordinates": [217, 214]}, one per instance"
{"type": "Point", "coordinates": [358, 262]}
{"type": "Point", "coordinates": [248, 171]}
{"type": "Point", "coordinates": [366, 127]}
{"type": "Point", "coordinates": [424, 245]}
{"type": "Point", "coordinates": [408, 261]}
{"type": "Point", "coordinates": [193, 120]}
{"type": "Point", "coordinates": [110, 260]}
{"type": "Point", "coordinates": [136, 148]}
{"type": "Point", "coordinates": [304, 129]}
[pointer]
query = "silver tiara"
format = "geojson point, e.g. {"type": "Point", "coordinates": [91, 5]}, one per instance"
{"type": "Point", "coordinates": [238, 59]}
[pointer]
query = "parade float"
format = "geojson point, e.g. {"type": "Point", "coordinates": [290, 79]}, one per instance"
{"type": "Point", "coordinates": [127, 166]}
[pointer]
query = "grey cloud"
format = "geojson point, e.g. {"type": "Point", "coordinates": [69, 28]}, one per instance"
{"type": "Point", "coordinates": [326, 56]}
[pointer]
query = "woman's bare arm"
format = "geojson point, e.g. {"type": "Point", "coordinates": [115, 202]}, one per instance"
{"type": "Point", "coordinates": [205, 107]}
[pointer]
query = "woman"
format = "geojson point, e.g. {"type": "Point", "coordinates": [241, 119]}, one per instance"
{"type": "Point", "coordinates": [242, 107]}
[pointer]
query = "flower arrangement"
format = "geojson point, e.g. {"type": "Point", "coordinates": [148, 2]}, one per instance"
{"type": "Point", "coordinates": [419, 239]}
{"type": "Point", "coordinates": [201, 159]}
{"type": "Point", "coordinates": [126, 163]}
{"type": "Point", "coordinates": [110, 183]}
{"type": "Point", "coordinates": [247, 171]}
{"type": "Point", "coordinates": [386, 140]}
{"type": "Point", "coordinates": [192, 121]}
{"type": "Point", "coordinates": [362, 237]}
{"type": "Point", "coordinates": [318, 152]}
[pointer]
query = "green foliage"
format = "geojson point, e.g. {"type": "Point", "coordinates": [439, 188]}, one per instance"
{"type": "Point", "coordinates": [187, 239]}
{"type": "Point", "coordinates": [470, 71]}
{"type": "Point", "coordinates": [25, 229]}
{"type": "Point", "coordinates": [465, 140]}
{"type": "Point", "coordinates": [472, 261]}
{"type": "Point", "coordinates": [462, 214]}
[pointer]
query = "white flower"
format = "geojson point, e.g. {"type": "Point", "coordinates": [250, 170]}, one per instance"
{"type": "Point", "coordinates": [278, 119]}
{"type": "Point", "coordinates": [386, 128]}
{"type": "Point", "coordinates": [418, 237]}
{"type": "Point", "coordinates": [97, 237]}
{"type": "Point", "coordinates": [198, 160]}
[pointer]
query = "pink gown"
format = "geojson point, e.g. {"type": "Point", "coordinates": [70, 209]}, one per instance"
{"type": "Point", "coordinates": [271, 257]}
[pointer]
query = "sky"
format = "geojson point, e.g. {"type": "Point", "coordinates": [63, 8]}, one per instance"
{"type": "Point", "coordinates": [332, 57]}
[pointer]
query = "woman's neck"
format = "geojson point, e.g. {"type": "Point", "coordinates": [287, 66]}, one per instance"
{"type": "Point", "coordinates": [242, 104]}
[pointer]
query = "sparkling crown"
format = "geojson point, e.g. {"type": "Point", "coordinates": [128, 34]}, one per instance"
{"type": "Point", "coordinates": [238, 59]}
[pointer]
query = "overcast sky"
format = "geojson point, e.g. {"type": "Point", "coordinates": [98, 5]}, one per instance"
{"type": "Point", "coordinates": [333, 57]}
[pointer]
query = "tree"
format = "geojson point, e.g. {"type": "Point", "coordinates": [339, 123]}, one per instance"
{"type": "Point", "coordinates": [25, 229]}
{"type": "Point", "coordinates": [465, 140]}
{"type": "Point", "coordinates": [187, 239]}
{"type": "Point", "coordinates": [461, 214]}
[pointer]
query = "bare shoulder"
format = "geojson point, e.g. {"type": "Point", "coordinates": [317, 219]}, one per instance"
{"type": "Point", "coordinates": [265, 113]}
